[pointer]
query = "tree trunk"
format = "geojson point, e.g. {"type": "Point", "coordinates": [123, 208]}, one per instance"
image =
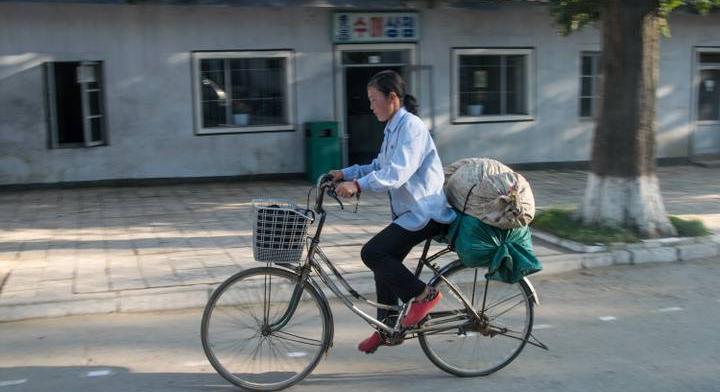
{"type": "Point", "coordinates": [622, 189]}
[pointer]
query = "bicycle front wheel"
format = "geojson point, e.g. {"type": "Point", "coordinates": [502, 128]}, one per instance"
{"type": "Point", "coordinates": [255, 338]}
{"type": "Point", "coordinates": [483, 348]}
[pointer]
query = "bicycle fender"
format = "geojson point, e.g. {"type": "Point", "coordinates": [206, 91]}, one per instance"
{"type": "Point", "coordinates": [444, 270]}
{"type": "Point", "coordinates": [533, 292]}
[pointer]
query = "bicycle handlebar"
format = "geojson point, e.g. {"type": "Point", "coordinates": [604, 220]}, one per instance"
{"type": "Point", "coordinates": [325, 184]}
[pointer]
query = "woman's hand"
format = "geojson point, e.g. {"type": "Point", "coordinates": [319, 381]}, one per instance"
{"type": "Point", "coordinates": [337, 175]}
{"type": "Point", "coordinates": [347, 189]}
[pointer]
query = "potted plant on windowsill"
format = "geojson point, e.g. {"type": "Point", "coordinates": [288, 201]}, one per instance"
{"type": "Point", "coordinates": [241, 113]}
{"type": "Point", "coordinates": [476, 108]}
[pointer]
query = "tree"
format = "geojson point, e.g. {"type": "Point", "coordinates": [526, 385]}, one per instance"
{"type": "Point", "coordinates": [622, 188]}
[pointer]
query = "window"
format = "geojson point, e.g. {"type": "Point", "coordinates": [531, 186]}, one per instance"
{"type": "Point", "coordinates": [589, 84]}
{"type": "Point", "coordinates": [491, 84]}
{"type": "Point", "coordinates": [709, 88]}
{"type": "Point", "coordinates": [243, 91]}
{"type": "Point", "coordinates": [76, 113]}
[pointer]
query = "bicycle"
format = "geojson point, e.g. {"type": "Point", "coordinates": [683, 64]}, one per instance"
{"type": "Point", "coordinates": [266, 328]}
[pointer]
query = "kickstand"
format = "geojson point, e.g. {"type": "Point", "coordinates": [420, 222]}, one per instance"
{"type": "Point", "coordinates": [537, 343]}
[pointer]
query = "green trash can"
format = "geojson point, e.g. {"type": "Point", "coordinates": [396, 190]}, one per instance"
{"type": "Point", "coordinates": [322, 148]}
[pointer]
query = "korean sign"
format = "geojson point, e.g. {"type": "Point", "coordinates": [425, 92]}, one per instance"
{"type": "Point", "coordinates": [355, 27]}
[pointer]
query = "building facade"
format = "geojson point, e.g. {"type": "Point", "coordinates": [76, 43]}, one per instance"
{"type": "Point", "coordinates": [137, 91]}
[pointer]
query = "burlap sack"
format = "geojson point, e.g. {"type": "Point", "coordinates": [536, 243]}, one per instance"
{"type": "Point", "coordinates": [500, 197]}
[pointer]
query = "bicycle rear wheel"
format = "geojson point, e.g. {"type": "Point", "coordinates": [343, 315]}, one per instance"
{"type": "Point", "coordinates": [469, 351]}
{"type": "Point", "coordinates": [248, 337]}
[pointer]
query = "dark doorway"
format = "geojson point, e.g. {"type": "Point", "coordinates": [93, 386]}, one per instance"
{"type": "Point", "coordinates": [69, 103]}
{"type": "Point", "coordinates": [365, 132]}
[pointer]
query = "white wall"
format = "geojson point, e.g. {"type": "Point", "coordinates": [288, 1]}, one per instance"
{"type": "Point", "coordinates": [557, 133]}
{"type": "Point", "coordinates": [677, 94]}
{"type": "Point", "coordinates": [146, 53]}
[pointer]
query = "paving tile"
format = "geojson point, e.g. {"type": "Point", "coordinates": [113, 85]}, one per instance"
{"type": "Point", "coordinates": [126, 239]}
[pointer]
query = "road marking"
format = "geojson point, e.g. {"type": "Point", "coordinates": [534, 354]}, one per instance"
{"type": "Point", "coordinates": [99, 373]}
{"type": "Point", "coordinates": [297, 354]}
{"type": "Point", "coordinates": [670, 309]}
{"type": "Point", "coordinates": [9, 383]}
{"type": "Point", "coordinates": [607, 318]}
{"type": "Point", "coordinates": [542, 326]}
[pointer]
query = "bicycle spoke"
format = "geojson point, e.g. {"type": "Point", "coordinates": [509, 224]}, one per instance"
{"type": "Point", "coordinates": [233, 326]}
{"type": "Point", "coordinates": [234, 339]}
{"type": "Point", "coordinates": [502, 302]}
{"type": "Point", "coordinates": [471, 349]}
{"type": "Point", "coordinates": [296, 338]}
{"type": "Point", "coordinates": [276, 352]}
{"type": "Point", "coordinates": [507, 310]}
{"type": "Point", "coordinates": [237, 321]}
{"type": "Point", "coordinates": [236, 352]}
{"type": "Point", "coordinates": [287, 356]}
{"type": "Point", "coordinates": [257, 348]}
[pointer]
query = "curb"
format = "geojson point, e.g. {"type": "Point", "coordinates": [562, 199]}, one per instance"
{"type": "Point", "coordinates": [196, 296]}
{"type": "Point", "coordinates": [567, 244]}
{"type": "Point", "coordinates": [674, 242]}
{"type": "Point", "coordinates": [666, 250]}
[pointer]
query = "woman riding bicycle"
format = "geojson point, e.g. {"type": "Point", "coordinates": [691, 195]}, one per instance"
{"type": "Point", "coordinates": [409, 169]}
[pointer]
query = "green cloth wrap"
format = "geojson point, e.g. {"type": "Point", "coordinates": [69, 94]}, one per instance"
{"type": "Point", "coordinates": [508, 254]}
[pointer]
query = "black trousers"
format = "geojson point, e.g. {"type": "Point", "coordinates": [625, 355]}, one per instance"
{"type": "Point", "coordinates": [384, 254]}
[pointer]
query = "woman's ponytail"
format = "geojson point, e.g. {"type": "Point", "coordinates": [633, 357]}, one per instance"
{"type": "Point", "coordinates": [410, 104]}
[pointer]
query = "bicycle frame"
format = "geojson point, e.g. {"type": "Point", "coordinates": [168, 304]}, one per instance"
{"type": "Point", "coordinates": [316, 259]}
{"type": "Point", "coordinates": [321, 260]}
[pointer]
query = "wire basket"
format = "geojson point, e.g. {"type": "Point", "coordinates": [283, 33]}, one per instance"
{"type": "Point", "coordinates": [279, 230]}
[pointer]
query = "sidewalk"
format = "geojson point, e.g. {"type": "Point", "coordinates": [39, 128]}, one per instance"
{"type": "Point", "coordinates": [98, 250]}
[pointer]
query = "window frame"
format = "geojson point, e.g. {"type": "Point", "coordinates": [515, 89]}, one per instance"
{"type": "Point", "coordinates": [529, 54]}
{"type": "Point", "coordinates": [85, 91]}
{"type": "Point", "coordinates": [594, 86]}
{"type": "Point", "coordinates": [701, 67]}
{"type": "Point", "coordinates": [287, 54]}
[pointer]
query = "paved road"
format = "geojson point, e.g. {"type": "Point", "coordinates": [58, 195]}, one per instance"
{"type": "Point", "coordinates": [634, 328]}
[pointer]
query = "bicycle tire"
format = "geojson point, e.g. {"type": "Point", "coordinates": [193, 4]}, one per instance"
{"type": "Point", "coordinates": [471, 364]}
{"type": "Point", "coordinates": [235, 295]}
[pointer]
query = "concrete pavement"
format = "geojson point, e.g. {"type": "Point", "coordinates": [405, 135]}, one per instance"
{"type": "Point", "coordinates": [611, 330]}
{"type": "Point", "coordinates": [141, 248]}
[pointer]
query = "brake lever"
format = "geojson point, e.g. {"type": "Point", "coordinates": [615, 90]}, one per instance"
{"type": "Point", "coordinates": [326, 178]}
{"type": "Point", "coordinates": [331, 192]}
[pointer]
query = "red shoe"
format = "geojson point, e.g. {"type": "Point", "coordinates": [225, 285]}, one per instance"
{"type": "Point", "coordinates": [420, 309]}
{"type": "Point", "coordinates": [369, 345]}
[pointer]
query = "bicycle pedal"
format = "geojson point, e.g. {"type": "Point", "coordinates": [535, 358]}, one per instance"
{"type": "Point", "coordinates": [393, 341]}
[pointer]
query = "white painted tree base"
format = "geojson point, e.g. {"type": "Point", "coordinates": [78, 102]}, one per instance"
{"type": "Point", "coordinates": [634, 203]}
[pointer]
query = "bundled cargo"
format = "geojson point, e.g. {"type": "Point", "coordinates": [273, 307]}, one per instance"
{"type": "Point", "coordinates": [490, 191]}
{"type": "Point", "coordinates": [495, 206]}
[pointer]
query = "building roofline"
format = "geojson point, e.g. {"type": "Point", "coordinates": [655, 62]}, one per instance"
{"type": "Point", "coordinates": [343, 4]}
